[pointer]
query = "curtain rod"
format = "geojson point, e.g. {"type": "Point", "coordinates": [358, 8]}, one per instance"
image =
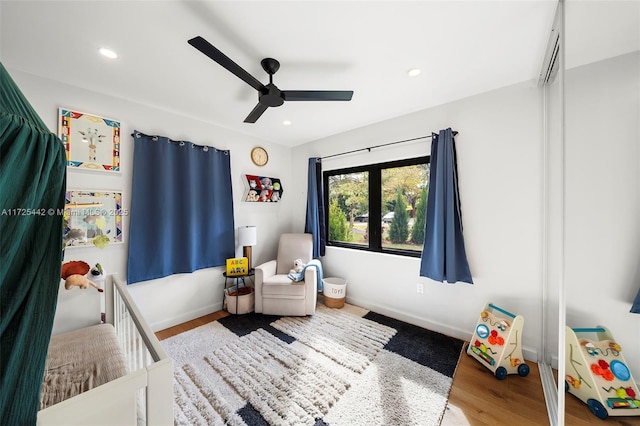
{"type": "Point", "coordinates": [155, 138]}
{"type": "Point", "coordinates": [381, 145]}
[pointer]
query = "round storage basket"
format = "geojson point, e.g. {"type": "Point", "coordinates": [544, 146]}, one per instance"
{"type": "Point", "coordinates": [245, 302]}
{"type": "Point", "coordinates": [335, 291]}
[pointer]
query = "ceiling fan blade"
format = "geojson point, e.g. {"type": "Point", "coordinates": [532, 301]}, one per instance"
{"type": "Point", "coordinates": [317, 95]}
{"type": "Point", "coordinates": [256, 113]}
{"type": "Point", "coordinates": [211, 51]}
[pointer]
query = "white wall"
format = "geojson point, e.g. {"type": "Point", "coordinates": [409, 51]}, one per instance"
{"type": "Point", "coordinates": [178, 298]}
{"type": "Point", "coordinates": [499, 151]}
{"type": "Point", "coordinates": [603, 199]}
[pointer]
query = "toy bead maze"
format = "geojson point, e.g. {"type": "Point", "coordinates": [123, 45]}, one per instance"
{"type": "Point", "coordinates": [497, 342]}
{"type": "Point", "coordinates": [597, 374]}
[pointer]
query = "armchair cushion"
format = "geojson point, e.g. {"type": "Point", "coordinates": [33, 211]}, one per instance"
{"type": "Point", "coordinates": [277, 287]}
{"type": "Point", "coordinates": [292, 247]}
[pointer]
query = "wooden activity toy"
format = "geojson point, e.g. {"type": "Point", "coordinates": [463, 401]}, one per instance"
{"type": "Point", "coordinates": [597, 374]}
{"type": "Point", "coordinates": [497, 342]}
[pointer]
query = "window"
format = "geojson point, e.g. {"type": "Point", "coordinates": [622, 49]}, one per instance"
{"type": "Point", "coordinates": [378, 207]}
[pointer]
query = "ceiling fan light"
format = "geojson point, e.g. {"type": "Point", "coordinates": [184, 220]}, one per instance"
{"type": "Point", "coordinates": [414, 72]}
{"type": "Point", "coordinates": [108, 53]}
{"type": "Point", "coordinates": [286, 123]}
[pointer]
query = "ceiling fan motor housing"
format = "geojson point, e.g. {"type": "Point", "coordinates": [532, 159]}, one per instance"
{"type": "Point", "coordinates": [271, 96]}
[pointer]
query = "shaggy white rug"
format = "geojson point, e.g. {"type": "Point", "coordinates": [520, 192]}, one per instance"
{"type": "Point", "coordinates": [338, 367]}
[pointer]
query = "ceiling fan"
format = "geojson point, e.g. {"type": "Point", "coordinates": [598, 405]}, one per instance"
{"type": "Point", "coordinates": [268, 95]}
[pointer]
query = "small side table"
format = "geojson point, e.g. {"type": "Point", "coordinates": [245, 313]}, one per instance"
{"type": "Point", "coordinates": [235, 282]}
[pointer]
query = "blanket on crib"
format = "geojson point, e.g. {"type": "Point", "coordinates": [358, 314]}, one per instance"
{"type": "Point", "coordinates": [79, 361]}
{"type": "Point", "coordinates": [299, 276]}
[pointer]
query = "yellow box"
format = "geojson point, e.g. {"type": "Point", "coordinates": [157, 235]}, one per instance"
{"type": "Point", "coordinates": [237, 266]}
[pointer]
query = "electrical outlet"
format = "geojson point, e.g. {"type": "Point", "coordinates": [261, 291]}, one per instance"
{"type": "Point", "coordinates": [420, 288]}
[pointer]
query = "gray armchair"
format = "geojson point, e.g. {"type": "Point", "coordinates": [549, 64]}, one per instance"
{"type": "Point", "coordinates": [277, 294]}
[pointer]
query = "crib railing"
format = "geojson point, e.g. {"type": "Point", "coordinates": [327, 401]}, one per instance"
{"type": "Point", "coordinates": [127, 326]}
{"type": "Point", "coordinates": [143, 351]}
{"type": "Point", "coordinates": [144, 396]}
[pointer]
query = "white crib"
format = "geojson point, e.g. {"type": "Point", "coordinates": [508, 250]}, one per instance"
{"type": "Point", "coordinates": [144, 396]}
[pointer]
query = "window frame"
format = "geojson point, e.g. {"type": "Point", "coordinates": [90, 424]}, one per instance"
{"type": "Point", "coordinates": [375, 204]}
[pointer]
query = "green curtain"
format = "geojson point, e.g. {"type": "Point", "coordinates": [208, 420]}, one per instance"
{"type": "Point", "coordinates": [32, 189]}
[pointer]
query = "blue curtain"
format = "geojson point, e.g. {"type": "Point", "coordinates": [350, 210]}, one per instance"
{"type": "Point", "coordinates": [443, 254]}
{"type": "Point", "coordinates": [314, 223]}
{"type": "Point", "coordinates": [181, 208]}
{"type": "Point", "coordinates": [636, 304]}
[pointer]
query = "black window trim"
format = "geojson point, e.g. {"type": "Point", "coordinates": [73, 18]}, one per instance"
{"type": "Point", "coordinates": [375, 204]}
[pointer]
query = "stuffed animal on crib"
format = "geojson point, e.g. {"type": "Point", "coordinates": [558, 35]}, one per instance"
{"type": "Point", "coordinates": [298, 266]}
{"type": "Point", "coordinates": [97, 274]}
{"type": "Point", "coordinates": [74, 274]}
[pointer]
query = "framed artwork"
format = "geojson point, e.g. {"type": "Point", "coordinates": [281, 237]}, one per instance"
{"type": "Point", "coordinates": [263, 189]}
{"type": "Point", "coordinates": [91, 142]}
{"type": "Point", "coordinates": [92, 218]}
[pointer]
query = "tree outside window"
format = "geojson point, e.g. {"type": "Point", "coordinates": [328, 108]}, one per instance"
{"type": "Point", "coordinates": [348, 198]}
{"type": "Point", "coordinates": [379, 207]}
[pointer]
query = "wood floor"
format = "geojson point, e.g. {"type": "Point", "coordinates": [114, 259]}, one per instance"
{"type": "Point", "coordinates": [477, 398]}
{"type": "Point", "coordinates": [181, 328]}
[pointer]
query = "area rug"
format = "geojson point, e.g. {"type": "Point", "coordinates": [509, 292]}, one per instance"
{"type": "Point", "coordinates": [344, 366]}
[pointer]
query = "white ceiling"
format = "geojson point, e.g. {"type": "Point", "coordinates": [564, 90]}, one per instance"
{"type": "Point", "coordinates": [596, 30]}
{"type": "Point", "coordinates": [462, 47]}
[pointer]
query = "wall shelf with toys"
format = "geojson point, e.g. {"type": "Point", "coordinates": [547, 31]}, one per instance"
{"type": "Point", "coordinates": [497, 342]}
{"type": "Point", "coordinates": [263, 189]}
{"type": "Point", "coordinates": [597, 374]}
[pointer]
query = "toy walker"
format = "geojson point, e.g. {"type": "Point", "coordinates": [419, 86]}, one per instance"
{"type": "Point", "coordinates": [597, 374]}
{"type": "Point", "coordinates": [497, 342]}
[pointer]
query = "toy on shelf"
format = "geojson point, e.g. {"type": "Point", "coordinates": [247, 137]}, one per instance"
{"type": "Point", "coordinates": [497, 342]}
{"type": "Point", "coordinates": [597, 374]}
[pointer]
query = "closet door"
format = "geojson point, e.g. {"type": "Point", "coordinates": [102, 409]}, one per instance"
{"type": "Point", "coordinates": [551, 82]}
{"type": "Point", "coordinates": [602, 169]}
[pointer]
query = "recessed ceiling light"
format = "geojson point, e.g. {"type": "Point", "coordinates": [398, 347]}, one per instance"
{"type": "Point", "coordinates": [286, 123]}
{"type": "Point", "coordinates": [414, 72]}
{"type": "Point", "coordinates": [108, 53]}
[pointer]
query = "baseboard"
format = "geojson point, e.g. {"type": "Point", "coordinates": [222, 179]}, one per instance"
{"type": "Point", "coordinates": [554, 362]}
{"type": "Point", "coordinates": [528, 353]}
{"type": "Point", "coordinates": [185, 317]}
{"type": "Point", "coordinates": [412, 319]}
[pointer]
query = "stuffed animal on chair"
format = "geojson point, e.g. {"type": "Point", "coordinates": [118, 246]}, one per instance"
{"type": "Point", "coordinates": [298, 266]}
{"type": "Point", "coordinates": [74, 275]}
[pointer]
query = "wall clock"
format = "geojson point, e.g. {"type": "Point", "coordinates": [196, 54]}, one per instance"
{"type": "Point", "coordinates": [259, 156]}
